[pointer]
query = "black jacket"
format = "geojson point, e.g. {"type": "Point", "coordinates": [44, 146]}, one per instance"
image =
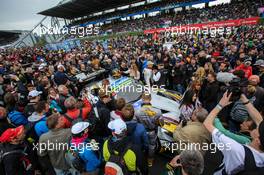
{"type": "Point", "coordinates": [190, 70]}
{"type": "Point", "coordinates": [104, 118]}
{"type": "Point", "coordinates": [261, 78]}
{"type": "Point", "coordinates": [4, 125]}
{"type": "Point", "coordinates": [29, 109]}
{"type": "Point", "coordinates": [120, 145]}
{"type": "Point", "coordinates": [210, 94]}
{"type": "Point", "coordinates": [178, 75]}
{"type": "Point", "coordinates": [12, 164]}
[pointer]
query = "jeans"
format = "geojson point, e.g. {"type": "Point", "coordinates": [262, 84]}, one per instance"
{"type": "Point", "coordinates": [66, 172]}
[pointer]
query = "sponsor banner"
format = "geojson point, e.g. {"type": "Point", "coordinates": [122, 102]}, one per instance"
{"type": "Point", "coordinates": [228, 23]}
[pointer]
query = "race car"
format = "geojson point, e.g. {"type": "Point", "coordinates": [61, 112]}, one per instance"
{"type": "Point", "coordinates": [165, 100]}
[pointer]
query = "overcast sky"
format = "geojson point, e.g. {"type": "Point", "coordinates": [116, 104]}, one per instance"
{"type": "Point", "coordinates": [22, 14]}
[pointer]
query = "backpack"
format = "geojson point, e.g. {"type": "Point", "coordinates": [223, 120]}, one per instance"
{"type": "Point", "coordinates": [116, 164]}
{"type": "Point", "coordinates": [26, 163]}
{"type": "Point", "coordinates": [17, 118]}
{"type": "Point", "coordinates": [74, 160]}
{"type": "Point", "coordinates": [74, 121]}
{"type": "Point", "coordinates": [250, 164]}
{"type": "Point", "coordinates": [250, 167]}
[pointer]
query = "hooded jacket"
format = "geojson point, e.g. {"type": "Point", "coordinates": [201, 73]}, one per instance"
{"type": "Point", "coordinates": [138, 134]}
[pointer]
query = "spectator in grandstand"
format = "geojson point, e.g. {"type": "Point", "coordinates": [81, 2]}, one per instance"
{"type": "Point", "coordinates": [232, 149]}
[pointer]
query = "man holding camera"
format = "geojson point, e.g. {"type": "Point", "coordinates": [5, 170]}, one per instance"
{"type": "Point", "coordinates": [189, 162]}
{"type": "Point", "coordinates": [238, 158]}
{"type": "Point", "coordinates": [194, 132]}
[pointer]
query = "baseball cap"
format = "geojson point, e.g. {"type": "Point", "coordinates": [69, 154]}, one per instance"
{"type": "Point", "coordinates": [11, 133]}
{"type": "Point", "coordinates": [61, 66]}
{"type": "Point", "coordinates": [259, 63]}
{"type": "Point", "coordinates": [42, 65]}
{"type": "Point", "coordinates": [79, 127]}
{"type": "Point", "coordinates": [35, 117]}
{"type": "Point", "coordinates": [117, 126]}
{"type": "Point", "coordinates": [34, 93]}
{"type": "Point", "coordinates": [247, 59]}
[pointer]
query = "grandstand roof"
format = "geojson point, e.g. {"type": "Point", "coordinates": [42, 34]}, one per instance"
{"type": "Point", "coordinates": [80, 8]}
{"type": "Point", "coordinates": [7, 37]}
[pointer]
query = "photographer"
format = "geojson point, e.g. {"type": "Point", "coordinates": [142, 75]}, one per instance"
{"type": "Point", "coordinates": [247, 159]}
{"type": "Point", "coordinates": [189, 162]}
{"type": "Point", "coordinates": [194, 132]}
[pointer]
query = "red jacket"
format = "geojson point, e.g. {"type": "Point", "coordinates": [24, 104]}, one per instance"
{"type": "Point", "coordinates": [246, 69]}
{"type": "Point", "coordinates": [74, 113]}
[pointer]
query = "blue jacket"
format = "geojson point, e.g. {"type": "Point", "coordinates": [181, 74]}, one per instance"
{"type": "Point", "coordinates": [17, 118]}
{"type": "Point", "coordinates": [41, 127]}
{"type": "Point", "coordinates": [138, 134]}
{"type": "Point", "coordinates": [145, 64]}
{"type": "Point", "coordinates": [92, 162]}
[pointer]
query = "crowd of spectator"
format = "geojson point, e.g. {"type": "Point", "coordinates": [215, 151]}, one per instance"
{"type": "Point", "coordinates": [235, 10]}
{"type": "Point", "coordinates": [221, 80]}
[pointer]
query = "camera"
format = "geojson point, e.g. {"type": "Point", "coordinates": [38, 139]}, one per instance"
{"type": "Point", "coordinates": [235, 87]}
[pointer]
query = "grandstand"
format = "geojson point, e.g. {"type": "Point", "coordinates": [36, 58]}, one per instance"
{"type": "Point", "coordinates": [7, 37]}
{"type": "Point", "coordinates": [137, 16]}
{"type": "Point", "coordinates": [199, 91]}
{"type": "Point", "coordinates": [81, 12]}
